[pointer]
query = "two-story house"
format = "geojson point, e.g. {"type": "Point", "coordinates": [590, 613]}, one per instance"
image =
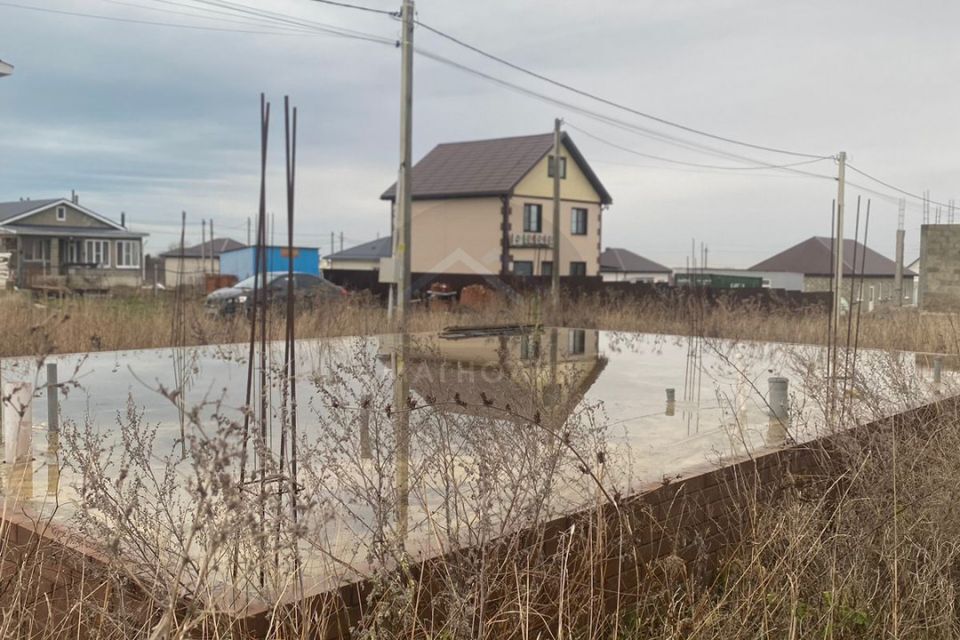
{"type": "Point", "coordinates": [486, 207]}
{"type": "Point", "coordinates": [59, 243]}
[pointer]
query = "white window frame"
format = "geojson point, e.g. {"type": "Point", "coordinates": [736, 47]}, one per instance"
{"type": "Point", "coordinates": [61, 214]}
{"type": "Point", "coordinates": [532, 212]}
{"type": "Point", "coordinates": [101, 256]}
{"type": "Point", "coordinates": [134, 254]}
{"type": "Point", "coordinates": [575, 215]}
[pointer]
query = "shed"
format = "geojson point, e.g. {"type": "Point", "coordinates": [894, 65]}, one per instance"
{"type": "Point", "coordinates": [242, 262]}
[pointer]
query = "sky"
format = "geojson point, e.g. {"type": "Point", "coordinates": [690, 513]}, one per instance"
{"type": "Point", "coordinates": [154, 119]}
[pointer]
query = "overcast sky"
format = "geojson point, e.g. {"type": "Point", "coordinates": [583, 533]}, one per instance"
{"type": "Point", "coordinates": [152, 120]}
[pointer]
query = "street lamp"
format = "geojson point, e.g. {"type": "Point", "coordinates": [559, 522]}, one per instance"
{"type": "Point", "coordinates": [5, 68]}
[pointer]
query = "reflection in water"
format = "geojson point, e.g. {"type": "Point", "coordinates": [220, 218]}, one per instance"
{"type": "Point", "coordinates": [429, 442]}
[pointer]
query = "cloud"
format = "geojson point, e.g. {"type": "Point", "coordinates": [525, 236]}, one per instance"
{"type": "Point", "coordinates": [154, 120]}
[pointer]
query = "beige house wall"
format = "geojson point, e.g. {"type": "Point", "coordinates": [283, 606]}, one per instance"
{"type": "Point", "coordinates": [465, 235]}
{"type": "Point", "coordinates": [187, 271]}
{"type": "Point", "coordinates": [456, 235]}
{"type": "Point", "coordinates": [575, 186]}
{"type": "Point", "coordinates": [585, 248]}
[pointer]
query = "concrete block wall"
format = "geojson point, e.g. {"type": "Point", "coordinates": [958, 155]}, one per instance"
{"type": "Point", "coordinates": [883, 288]}
{"type": "Point", "coordinates": [939, 267]}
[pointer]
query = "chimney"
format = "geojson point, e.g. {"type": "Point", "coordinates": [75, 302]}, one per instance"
{"type": "Point", "coordinates": [123, 219]}
{"type": "Point", "coordinates": [74, 198]}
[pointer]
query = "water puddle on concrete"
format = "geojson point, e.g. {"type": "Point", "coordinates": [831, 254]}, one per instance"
{"type": "Point", "coordinates": [499, 430]}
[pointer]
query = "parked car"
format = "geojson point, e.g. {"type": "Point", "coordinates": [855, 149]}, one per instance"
{"type": "Point", "coordinates": [308, 290]}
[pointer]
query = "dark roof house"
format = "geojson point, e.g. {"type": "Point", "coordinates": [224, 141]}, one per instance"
{"type": "Point", "coordinates": [486, 168]}
{"type": "Point", "coordinates": [615, 260]}
{"type": "Point", "coordinates": [217, 245]}
{"type": "Point", "coordinates": [368, 251]}
{"type": "Point", "coordinates": [58, 243]}
{"type": "Point", "coordinates": [814, 257]}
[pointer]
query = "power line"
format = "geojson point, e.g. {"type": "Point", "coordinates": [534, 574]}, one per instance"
{"type": "Point", "coordinates": [143, 22]}
{"type": "Point", "coordinates": [194, 14]}
{"type": "Point", "coordinates": [894, 187]}
{"type": "Point", "coordinates": [690, 164]}
{"type": "Point", "coordinates": [286, 19]}
{"type": "Point", "coordinates": [608, 102]}
{"type": "Point", "coordinates": [393, 14]}
{"type": "Point", "coordinates": [606, 119]}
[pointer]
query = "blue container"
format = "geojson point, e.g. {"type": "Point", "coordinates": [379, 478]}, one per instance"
{"type": "Point", "coordinates": [242, 262]}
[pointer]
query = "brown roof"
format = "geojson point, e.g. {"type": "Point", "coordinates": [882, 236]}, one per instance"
{"type": "Point", "coordinates": [813, 257]}
{"type": "Point", "coordinates": [482, 168]}
{"type": "Point", "coordinates": [220, 245]}
{"type": "Point", "coordinates": [621, 260]}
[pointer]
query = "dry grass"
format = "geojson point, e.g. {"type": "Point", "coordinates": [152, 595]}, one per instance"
{"type": "Point", "coordinates": [135, 322]}
{"type": "Point", "coordinates": [862, 546]}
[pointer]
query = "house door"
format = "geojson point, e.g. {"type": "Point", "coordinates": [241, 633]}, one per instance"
{"type": "Point", "coordinates": [71, 252]}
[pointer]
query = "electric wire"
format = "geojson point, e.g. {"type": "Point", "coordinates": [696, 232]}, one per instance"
{"type": "Point", "coordinates": [894, 187]}
{"type": "Point", "coordinates": [685, 163]}
{"type": "Point", "coordinates": [286, 19]}
{"type": "Point", "coordinates": [78, 14]}
{"type": "Point", "coordinates": [606, 101]}
{"type": "Point", "coordinates": [608, 119]}
{"type": "Point", "coordinates": [193, 14]}
{"type": "Point", "coordinates": [394, 14]}
{"type": "Point", "coordinates": [284, 24]}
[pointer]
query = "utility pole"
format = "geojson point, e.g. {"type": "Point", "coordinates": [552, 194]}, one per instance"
{"type": "Point", "coordinates": [838, 265]}
{"type": "Point", "coordinates": [213, 246]}
{"type": "Point", "coordinates": [404, 201]}
{"type": "Point", "coordinates": [203, 250]}
{"type": "Point", "coordinates": [898, 274]}
{"type": "Point", "coordinates": [341, 241]}
{"type": "Point", "coordinates": [248, 231]}
{"type": "Point", "coordinates": [555, 271]}
{"type": "Point", "coordinates": [401, 262]}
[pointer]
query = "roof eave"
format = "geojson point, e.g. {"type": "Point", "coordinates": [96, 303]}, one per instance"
{"type": "Point", "coordinates": [450, 196]}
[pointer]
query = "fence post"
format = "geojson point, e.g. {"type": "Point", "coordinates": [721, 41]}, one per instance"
{"type": "Point", "coordinates": [53, 399]}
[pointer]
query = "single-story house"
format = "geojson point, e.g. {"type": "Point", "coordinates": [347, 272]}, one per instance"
{"type": "Point", "coordinates": [621, 265]}
{"type": "Point", "coordinates": [188, 267]}
{"type": "Point", "coordinates": [486, 207]}
{"type": "Point", "coordinates": [815, 256]}
{"type": "Point", "coordinates": [363, 257]}
{"type": "Point", "coordinates": [58, 243]}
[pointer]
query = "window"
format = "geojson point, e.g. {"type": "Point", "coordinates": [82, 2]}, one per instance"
{"type": "Point", "coordinates": [35, 249]}
{"type": "Point", "coordinates": [533, 218]}
{"type": "Point", "coordinates": [577, 342]}
{"type": "Point", "coordinates": [563, 167]}
{"type": "Point", "coordinates": [61, 213]}
{"type": "Point", "coordinates": [578, 221]}
{"type": "Point", "coordinates": [546, 268]}
{"type": "Point", "coordinates": [97, 252]}
{"type": "Point", "coordinates": [128, 254]}
{"type": "Point", "coordinates": [522, 267]}
{"type": "Point", "coordinates": [578, 268]}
